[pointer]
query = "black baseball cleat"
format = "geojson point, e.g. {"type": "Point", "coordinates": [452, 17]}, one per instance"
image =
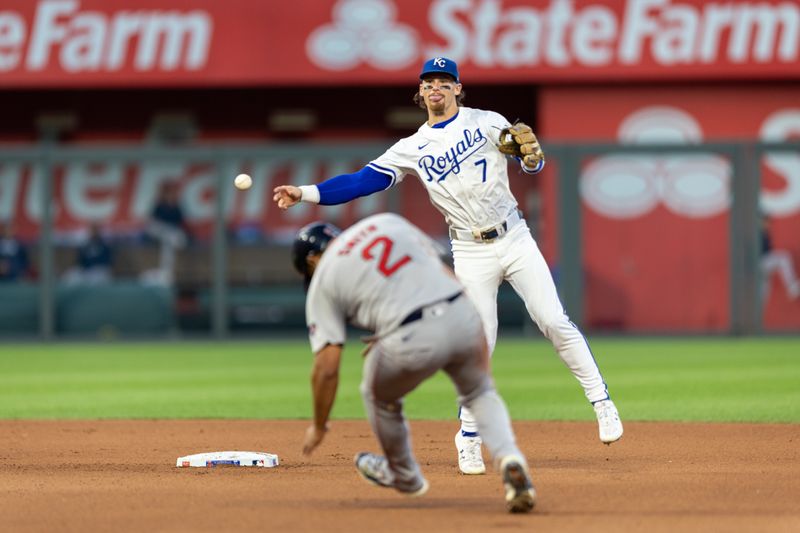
{"type": "Point", "coordinates": [520, 496]}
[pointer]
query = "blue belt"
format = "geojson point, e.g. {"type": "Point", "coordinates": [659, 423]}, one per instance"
{"type": "Point", "coordinates": [417, 314]}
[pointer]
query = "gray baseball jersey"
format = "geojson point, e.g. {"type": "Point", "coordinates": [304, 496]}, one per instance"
{"type": "Point", "coordinates": [372, 276]}
{"type": "Point", "coordinates": [465, 174]}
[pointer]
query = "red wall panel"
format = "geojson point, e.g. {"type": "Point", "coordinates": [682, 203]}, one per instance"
{"type": "Point", "coordinates": [102, 43]}
{"type": "Point", "coordinates": [656, 229]}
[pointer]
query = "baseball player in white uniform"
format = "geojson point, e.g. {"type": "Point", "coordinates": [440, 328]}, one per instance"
{"type": "Point", "coordinates": [384, 275]}
{"type": "Point", "coordinates": [457, 156]}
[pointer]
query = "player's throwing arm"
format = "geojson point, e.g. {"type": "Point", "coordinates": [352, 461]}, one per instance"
{"type": "Point", "coordinates": [287, 195]}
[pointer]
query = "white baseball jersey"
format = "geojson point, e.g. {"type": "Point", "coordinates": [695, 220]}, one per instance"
{"type": "Point", "coordinates": [467, 179]}
{"type": "Point", "coordinates": [465, 174]}
{"type": "Point", "coordinates": [374, 275]}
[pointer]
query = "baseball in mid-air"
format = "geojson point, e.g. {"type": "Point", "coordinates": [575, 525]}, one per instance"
{"type": "Point", "coordinates": [243, 182]}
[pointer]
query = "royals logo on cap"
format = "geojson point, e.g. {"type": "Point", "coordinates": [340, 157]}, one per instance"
{"type": "Point", "coordinates": [440, 65]}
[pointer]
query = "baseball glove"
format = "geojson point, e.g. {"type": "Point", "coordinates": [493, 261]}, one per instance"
{"type": "Point", "coordinates": [519, 140]}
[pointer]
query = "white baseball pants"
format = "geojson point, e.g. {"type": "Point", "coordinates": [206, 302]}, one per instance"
{"type": "Point", "coordinates": [515, 257]}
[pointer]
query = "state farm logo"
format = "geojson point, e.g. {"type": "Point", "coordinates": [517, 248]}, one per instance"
{"type": "Point", "coordinates": [78, 40]}
{"type": "Point", "coordinates": [363, 31]}
{"type": "Point", "coordinates": [693, 186]}
{"type": "Point", "coordinates": [560, 33]}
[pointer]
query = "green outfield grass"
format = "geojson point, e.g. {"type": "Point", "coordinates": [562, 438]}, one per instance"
{"type": "Point", "coordinates": [650, 379]}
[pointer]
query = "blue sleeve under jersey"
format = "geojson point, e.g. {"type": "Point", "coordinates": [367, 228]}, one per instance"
{"type": "Point", "coordinates": [346, 187]}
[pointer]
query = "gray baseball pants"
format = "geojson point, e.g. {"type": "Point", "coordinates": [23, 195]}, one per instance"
{"type": "Point", "coordinates": [448, 337]}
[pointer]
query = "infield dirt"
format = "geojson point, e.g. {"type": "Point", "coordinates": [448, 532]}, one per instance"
{"type": "Point", "coordinates": [121, 476]}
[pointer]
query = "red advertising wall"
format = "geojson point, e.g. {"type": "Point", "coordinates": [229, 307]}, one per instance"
{"type": "Point", "coordinates": [121, 195]}
{"type": "Point", "coordinates": [655, 230]}
{"type": "Point", "coordinates": [102, 43]}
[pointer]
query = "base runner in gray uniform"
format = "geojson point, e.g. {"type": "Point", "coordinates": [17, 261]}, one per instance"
{"type": "Point", "coordinates": [384, 275]}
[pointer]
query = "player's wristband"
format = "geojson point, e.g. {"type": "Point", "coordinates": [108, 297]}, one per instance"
{"type": "Point", "coordinates": [309, 193]}
{"type": "Point", "coordinates": [534, 170]}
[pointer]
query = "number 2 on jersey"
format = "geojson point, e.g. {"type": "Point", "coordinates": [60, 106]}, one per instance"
{"type": "Point", "coordinates": [383, 263]}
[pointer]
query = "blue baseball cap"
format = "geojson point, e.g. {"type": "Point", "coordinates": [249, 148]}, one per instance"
{"type": "Point", "coordinates": [440, 65]}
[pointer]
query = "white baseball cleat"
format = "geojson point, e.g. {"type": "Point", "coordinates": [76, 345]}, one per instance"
{"type": "Point", "coordinates": [609, 424]}
{"type": "Point", "coordinates": [470, 460]}
{"type": "Point", "coordinates": [520, 495]}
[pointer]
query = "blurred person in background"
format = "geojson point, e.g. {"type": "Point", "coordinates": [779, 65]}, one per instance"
{"type": "Point", "coordinates": [458, 157]}
{"type": "Point", "coordinates": [779, 261]}
{"type": "Point", "coordinates": [93, 260]}
{"type": "Point", "coordinates": [14, 263]}
{"type": "Point", "coordinates": [167, 226]}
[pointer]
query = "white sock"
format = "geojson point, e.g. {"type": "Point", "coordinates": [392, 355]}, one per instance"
{"type": "Point", "coordinates": [468, 424]}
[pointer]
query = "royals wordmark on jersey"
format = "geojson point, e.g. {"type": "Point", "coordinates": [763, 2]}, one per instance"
{"type": "Point", "coordinates": [466, 176]}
